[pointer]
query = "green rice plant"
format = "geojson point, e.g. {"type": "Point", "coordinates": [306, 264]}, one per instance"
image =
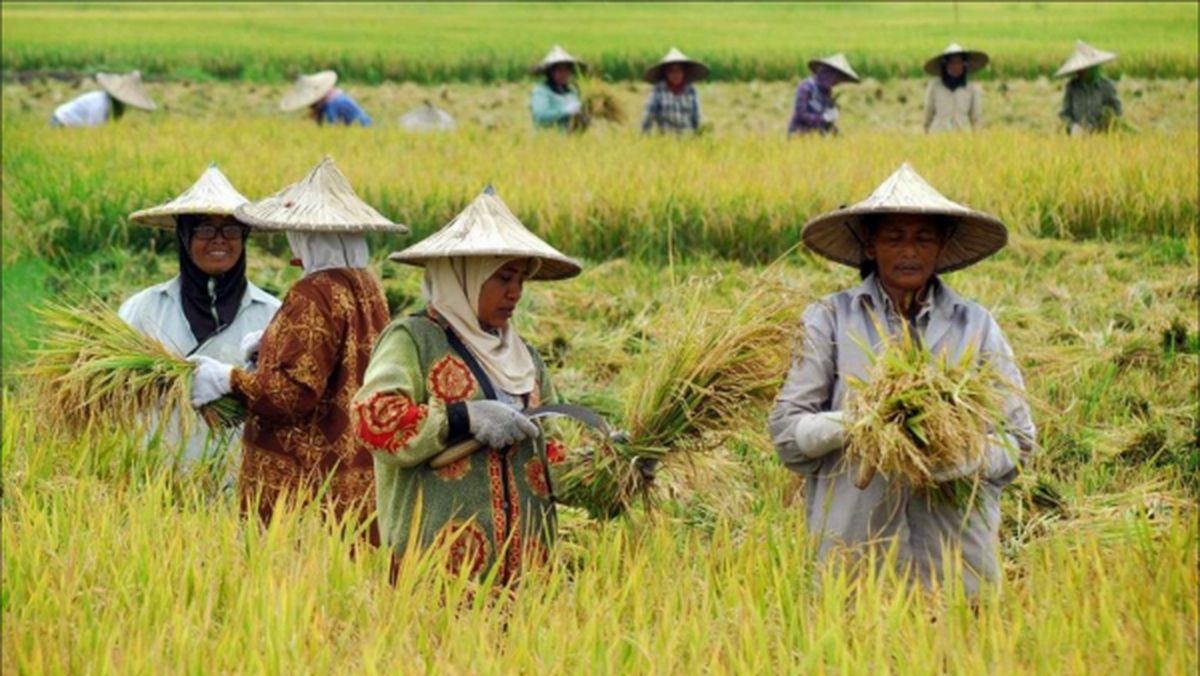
{"type": "Point", "coordinates": [918, 413]}
{"type": "Point", "coordinates": [93, 368]}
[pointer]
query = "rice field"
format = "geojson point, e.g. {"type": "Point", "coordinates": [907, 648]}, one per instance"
{"type": "Point", "coordinates": [113, 561]}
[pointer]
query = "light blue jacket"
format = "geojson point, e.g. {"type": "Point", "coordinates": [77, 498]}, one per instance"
{"type": "Point", "coordinates": [549, 108]}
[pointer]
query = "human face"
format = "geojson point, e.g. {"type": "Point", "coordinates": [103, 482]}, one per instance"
{"type": "Point", "coordinates": [561, 74]}
{"type": "Point", "coordinates": [674, 74]}
{"type": "Point", "coordinates": [955, 66]}
{"type": "Point", "coordinates": [905, 248]}
{"type": "Point", "coordinates": [221, 250]}
{"type": "Point", "coordinates": [500, 293]}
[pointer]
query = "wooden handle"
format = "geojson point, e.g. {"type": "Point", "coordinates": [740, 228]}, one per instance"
{"type": "Point", "coordinates": [865, 474]}
{"type": "Point", "coordinates": [456, 452]}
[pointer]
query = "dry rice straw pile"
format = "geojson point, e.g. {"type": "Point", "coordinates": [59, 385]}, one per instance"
{"type": "Point", "coordinates": [93, 368]}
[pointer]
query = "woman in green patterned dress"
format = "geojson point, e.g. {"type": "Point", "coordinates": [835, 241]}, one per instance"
{"type": "Point", "coordinates": [457, 370]}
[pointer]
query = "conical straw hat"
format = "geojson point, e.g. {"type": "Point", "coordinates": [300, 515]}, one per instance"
{"type": "Point", "coordinates": [211, 194]}
{"type": "Point", "coordinates": [308, 89]}
{"type": "Point", "coordinates": [839, 235]}
{"type": "Point", "coordinates": [322, 201]}
{"type": "Point", "coordinates": [976, 61]}
{"type": "Point", "coordinates": [557, 55]}
{"type": "Point", "coordinates": [1085, 57]}
{"type": "Point", "coordinates": [694, 70]}
{"type": "Point", "coordinates": [427, 117]}
{"type": "Point", "coordinates": [837, 62]}
{"type": "Point", "coordinates": [487, 228]}
{"type": "Point", "coordinates": [126, 88]}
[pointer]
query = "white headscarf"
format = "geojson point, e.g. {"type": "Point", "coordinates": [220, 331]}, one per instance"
{"type": "Point", "coordinates": [326, 250]}
{"type": "Point", "coordinates": [452, 287]}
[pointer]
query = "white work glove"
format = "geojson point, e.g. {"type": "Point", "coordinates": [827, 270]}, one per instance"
{"type": "Point", "coordinates": [249, 346]}
{"type": "Point", "coordinates": [1075, 129]}
{"type": "Point", "coordinates": [830, 115]}
{"type": "Point", "coordinates": [995, 463]}
{"type": "Point", "coordinates": [210, 381]}
{"type": "Point", "coordinates": [821, 433]}
{"type": "Point", "coordinates": [498, 425]}
{"type": "Point", "coordinates": [572, 107]}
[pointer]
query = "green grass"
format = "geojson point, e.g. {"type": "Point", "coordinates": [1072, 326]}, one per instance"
{"type": "Point", "coordinates": [478, 42]}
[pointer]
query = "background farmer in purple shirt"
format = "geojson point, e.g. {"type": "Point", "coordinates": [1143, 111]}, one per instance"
{"type": "Point", "coordinates": [325, 102]}
{"type": "Point", "coordinates": [815, 108]}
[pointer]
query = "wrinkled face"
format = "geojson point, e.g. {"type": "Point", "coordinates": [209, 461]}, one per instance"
{"type": "Point", "coordinates": [216, 244]}
{"type": "Point", "coordinates": [955, 66]}
{"type": "Point", "coordinates": [905, 247]}
{"type": "Point", "coordinates": [561, 74]}
{"type": "Point", "coordinates": [674, 74]}
{"type": "Point", "coordinates": [500, 293]}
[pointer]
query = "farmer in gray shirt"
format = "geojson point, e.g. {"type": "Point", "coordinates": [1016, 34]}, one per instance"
{"type": "Point", "coordinates": [900, 238]}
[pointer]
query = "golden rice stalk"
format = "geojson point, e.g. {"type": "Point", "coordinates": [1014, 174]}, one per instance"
{"type": "Point", "coordinates": [918, 413]}
{"type": "Point", "coordinates": [603, 105]}
{"type": "Point", "coordinates": [93, 368]}
{"type": "Point", "coordinates": [689, 390]}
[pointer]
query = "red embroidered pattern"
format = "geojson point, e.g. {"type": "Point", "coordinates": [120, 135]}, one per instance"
{"type": "Point", "coordinates": [556, 452]}
{"type": "Point", "coordinates": [455, 470]}
{"type": "Point", "coordinates": [514, 516]}
{"type": "Point", "coordinates": [535, 476]}
{"type": "Point", "coordinates": [450, 379]}
{"type": "Point", "coordinates": [499, 517]}
{"type": "Point", "coordinates": [388, 420]}
{"type": "Point", "coordinates": [466, 545]}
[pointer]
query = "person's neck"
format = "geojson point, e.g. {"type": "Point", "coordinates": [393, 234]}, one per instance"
{"type": "Point", "coordinates": [906, 302]}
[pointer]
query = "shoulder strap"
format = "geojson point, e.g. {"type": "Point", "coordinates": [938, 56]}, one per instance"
{"type": "Point", "coordinates": [457, 345]}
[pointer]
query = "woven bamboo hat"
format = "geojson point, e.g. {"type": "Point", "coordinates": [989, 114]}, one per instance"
{"type": "Point", "coordinates": [837, 62]}
{"type": "Point", "coordinates": [427, 117]}
{"type": "Point", "coordinates": [976, 61]}
{"type": "Point", "coordinates": [308, 89]}
{"type": "Point", "coordinates": [555, 56]}
{"type": "Point", "coordinates": [1084, 57]}
{"type": "Point", "coordinates": [127, 88]}
{"type": "Point", "coordinates": [839, 235]}
{"type": "Point", "coordinates": [211, 194]}
{"type": "Point", "coordinates": [487, 228]}
{"type": "Point", "coordinates": [693, 70]}
{"type": "Point", "coordinates": [322, 201]}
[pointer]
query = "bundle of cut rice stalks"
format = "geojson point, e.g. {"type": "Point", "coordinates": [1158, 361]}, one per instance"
{"type": "Point", "coordinates": [93, 368]}
{"type": "Point", "coordinates": [596, 103]}
{"type": "Point", "coordinates": [707, 373]}
{"type": "Point", "coordinates": [918, 414]}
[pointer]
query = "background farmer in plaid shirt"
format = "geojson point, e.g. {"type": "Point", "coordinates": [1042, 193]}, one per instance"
{"type": "Point", "coordinates": [673, 104]}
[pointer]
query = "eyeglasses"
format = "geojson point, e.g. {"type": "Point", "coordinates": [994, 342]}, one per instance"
{"type": "Point", "coordinates": [229, 232]}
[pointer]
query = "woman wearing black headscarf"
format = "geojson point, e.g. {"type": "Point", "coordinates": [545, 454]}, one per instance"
{"type": "Point", "coordinates": [209, 308]}
{"type": "Point", "coordinates": [950, 101]}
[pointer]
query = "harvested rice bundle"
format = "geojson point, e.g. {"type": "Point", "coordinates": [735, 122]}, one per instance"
{"type": "Point", "coordinates": [93, 368]}
{"type": "Point", "coordinates": [687, 392]}
{"type": "Point", "coordinates": [919, 414]}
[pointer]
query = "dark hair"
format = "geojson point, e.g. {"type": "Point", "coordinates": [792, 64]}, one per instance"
{"type": "Point", "coordinates": [118, 107]}
{"type": "Point", "coordinates": [870, 224]}
{"type": "Point", "coordinates": [949, 80]}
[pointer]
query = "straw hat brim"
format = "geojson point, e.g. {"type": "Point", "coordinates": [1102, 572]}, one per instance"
{"type": "Point", "coordinates": [551, 268]}
{"type": "Point", "coordinates": [247, 214]}
{"type": "Point", "coordinates": [307, 90]}
{"type": "Point", "coordinates": [839, 235]}
{"type": "Point", "coordinates": [543, 68]}
{"type": "Point", "coordinates": [852, 77]}
{"type": "Point", "coordinates": [165, 216]}
{"type": "Point", "coordinates": [1069, 68]}
{"type": "Point", "coordinates": [126, 89]}
{"type": "Point", "coordinates": [976, 61]}
{"type": "Point", "coordinates": [694, 71]}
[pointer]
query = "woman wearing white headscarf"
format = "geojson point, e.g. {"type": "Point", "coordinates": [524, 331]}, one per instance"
{"type": "Point", "coordinates": [951, 102]}
{"type": "Point", "coordinates": [458, 370]}
{"type": "Point", "coordinates": [298, 438]}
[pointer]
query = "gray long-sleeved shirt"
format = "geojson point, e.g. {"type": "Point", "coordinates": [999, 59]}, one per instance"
{"type": "Point", "coordinates": [839, 513]}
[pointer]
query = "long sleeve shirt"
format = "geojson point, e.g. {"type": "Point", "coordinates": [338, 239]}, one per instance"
{"type": "Point", "coordinates": [86, 110]}
{"type": "Point", "coordinates": [668, 111]}
{"type": "Point", "coordinates": [298, 436]}
{"type": "Point", "coordinates": [157, 312]}
{"type": "Point", "coordinates": [550, 108]}
{"type": "Point", "coordinates": [840, 514]}
{"type": "Point", "coordinates": [341, 108]}
{"type": "Point", "coordinates": [1084, 102]}
{"type": "Point", "coordinates": [811, 103]}
{"type": "Point", "coordinates": [949, 109]}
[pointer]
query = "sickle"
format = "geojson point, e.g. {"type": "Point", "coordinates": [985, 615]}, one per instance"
{"type": "Point", "coordinates": [581, 413]}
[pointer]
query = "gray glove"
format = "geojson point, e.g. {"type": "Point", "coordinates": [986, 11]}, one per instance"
{"type": "Point", "coordinates": [820, 433]}
{"type": "Point", "coordinates": [497, 425]}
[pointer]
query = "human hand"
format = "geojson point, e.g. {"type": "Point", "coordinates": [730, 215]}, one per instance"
{"type": "Point", "coordinates": [572, 107]}
{"type": "Point", "coordinates": [249, 346]}
{"type": "Point", "coordinates": [210, 381]}
{"type": "Point", "coordinates": [498, 425]}
{"type": "Point", "coordinates": [821, 433]}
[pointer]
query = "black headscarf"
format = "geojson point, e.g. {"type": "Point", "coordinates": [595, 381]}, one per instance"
{"type": "Point", "coordinates": [953, 83]}
{"type": "Point", "coordinates": [200, 299]}
{"type": "Point", "coordinates": [554, 86]}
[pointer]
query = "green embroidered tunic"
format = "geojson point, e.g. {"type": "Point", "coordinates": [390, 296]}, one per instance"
{"type": "Point", "coordinates": [411, 407]}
